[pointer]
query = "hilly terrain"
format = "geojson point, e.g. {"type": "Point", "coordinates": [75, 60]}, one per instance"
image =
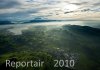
{"type": "Point", "coordinates": [80, 43]}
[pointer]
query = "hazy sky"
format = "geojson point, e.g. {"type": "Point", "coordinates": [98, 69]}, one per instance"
{"type": "Point", "coordinates": [49, 9]}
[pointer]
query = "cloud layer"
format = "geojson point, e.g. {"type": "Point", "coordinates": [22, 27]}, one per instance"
{"type": "Point", "coordinates": [49, 9]}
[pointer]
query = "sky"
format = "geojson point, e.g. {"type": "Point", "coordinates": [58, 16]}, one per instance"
{"type": "Point", "coordinates": [17, 10]}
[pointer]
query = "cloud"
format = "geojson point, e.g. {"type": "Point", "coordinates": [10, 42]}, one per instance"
{"type": "Point", "coordinates": [82, 3]}
{"type": "Point", "coordinates": [11, 9]}
{"type": "Point", "coordinates": [5, 4]}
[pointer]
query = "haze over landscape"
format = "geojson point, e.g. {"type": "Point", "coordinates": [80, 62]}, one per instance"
{"type": "Point", "coordinates": [50, 30]}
